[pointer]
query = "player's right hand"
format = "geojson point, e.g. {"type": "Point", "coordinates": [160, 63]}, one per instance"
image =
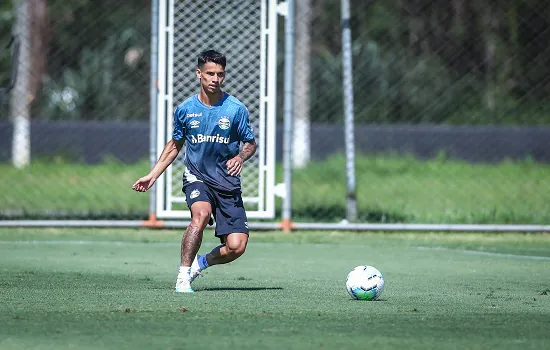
{"type": "Point", "coordinates": [143, 184]}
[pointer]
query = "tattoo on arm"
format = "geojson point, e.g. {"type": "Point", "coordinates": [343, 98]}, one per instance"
{"type": "Point", "coordinates": [248, 150]}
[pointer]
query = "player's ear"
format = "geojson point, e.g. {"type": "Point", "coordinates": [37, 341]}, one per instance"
{"type": "Point", "coordinates": [198, 71]}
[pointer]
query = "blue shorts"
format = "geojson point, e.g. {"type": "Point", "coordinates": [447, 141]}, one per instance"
{"type": "Point", "coordinates": [228, 209]}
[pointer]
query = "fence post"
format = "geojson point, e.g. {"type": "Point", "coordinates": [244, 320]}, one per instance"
{"type": "Point", "coordinates": [351, 212]}
{"type": "Point", "coordinates": [153, 111]}
{"type": "Point", "coordinates": [288, 115]}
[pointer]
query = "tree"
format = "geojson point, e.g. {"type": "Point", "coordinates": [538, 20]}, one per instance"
{"type": "Point", "coordinates": [302, 73]}
{"type": "Point", "coordinates": [30, 29]}
{"type": "Point", "coordinates": [39, 38]}
{"type": "Point", "coordinates": [20, 102]}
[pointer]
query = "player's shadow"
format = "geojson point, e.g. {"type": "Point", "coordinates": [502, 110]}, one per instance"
{"type": "Point", "coordinates": [241, 288]}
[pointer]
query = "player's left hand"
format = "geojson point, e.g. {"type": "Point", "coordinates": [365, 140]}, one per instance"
{"type": "Point", "coordinates": [234, 166]}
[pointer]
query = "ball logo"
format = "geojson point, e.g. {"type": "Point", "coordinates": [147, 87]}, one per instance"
{"type": "Point", "coordinates": [224, 123]}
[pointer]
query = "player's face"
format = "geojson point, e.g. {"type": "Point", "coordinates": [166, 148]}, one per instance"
{"type": "Point", "coordinates": [211, 76]}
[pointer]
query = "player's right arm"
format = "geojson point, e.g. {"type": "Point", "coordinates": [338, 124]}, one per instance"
{"type": "Point", "coordinates": [168, 155]}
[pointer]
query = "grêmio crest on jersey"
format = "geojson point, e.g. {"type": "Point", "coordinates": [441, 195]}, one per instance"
{"type": "Point", "coordinates": [224, 123]}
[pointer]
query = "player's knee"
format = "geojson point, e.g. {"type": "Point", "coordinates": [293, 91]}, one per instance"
{"type": "Point", "coordinates": [239, 251]}
{"type": "Point", "coordinates": [236, 248]}
{"type": "Point", "coordinates": [201, 217]}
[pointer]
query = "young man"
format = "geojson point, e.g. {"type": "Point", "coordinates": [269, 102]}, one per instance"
{"type": "Point", "coordinates": [212, 124]}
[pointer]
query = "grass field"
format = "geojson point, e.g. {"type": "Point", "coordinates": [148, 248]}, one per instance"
{"type": "Point", "coordinates": [113, 289]}
{"type": "Point", "coordinates": [389, 189]}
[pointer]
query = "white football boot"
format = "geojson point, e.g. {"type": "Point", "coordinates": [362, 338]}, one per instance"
{"type": "Point", "coordinates": [183, 284]}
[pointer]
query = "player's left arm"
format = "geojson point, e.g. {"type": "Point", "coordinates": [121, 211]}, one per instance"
{"type": "Point", "coordinates": [245, 132]}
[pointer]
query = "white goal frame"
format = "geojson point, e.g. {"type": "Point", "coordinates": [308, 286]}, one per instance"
{"type": "Point", "coordinates": [259, 199]}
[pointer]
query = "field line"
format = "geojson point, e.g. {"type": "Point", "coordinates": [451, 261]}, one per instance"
{"type": "Point", "coordinates": [478, 252]}
{"type": "Point", "coordinates": [82, 242]}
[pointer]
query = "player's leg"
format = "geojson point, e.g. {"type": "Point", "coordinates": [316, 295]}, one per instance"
{"type": "Point", "coordinates": [199, 202]}
{"type": "Point", "coordinates": [231, 228]}
{"type": "Point", "coordinates": [192, 238]}
{"type": "Point", "coordinates": [233, 246]}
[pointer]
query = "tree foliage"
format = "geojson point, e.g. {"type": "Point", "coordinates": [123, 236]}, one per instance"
{"type": "Point", "coordinates": [6, 22]}
{"type": "Point", "coordinates": [459, 61]}
{"type": "Point", "coordinates": [415, 61]}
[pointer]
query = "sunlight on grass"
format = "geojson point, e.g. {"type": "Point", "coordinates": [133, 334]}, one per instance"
{"type": "Point", "coordinates": [114, 288]}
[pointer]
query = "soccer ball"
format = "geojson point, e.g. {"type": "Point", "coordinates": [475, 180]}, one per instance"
{"type": "Point", "coordinates": [365, 283]}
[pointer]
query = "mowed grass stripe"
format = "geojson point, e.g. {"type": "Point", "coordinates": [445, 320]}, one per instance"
{"type": "Point", "coordinates": [120, 243]}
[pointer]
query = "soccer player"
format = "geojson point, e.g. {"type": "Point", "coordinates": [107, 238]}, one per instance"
{"type": "Point", "coordinates": [212, 124]}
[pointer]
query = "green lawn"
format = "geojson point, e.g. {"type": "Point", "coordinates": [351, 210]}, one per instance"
{"type": "Point", "coordinates": [389, 189]}
{"type": "Point", "coordinates": [113, 289]}
{"type": "Point", "coordinates": [405, 189]}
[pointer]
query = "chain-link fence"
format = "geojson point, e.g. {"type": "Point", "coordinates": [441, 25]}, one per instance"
{"type": "Point", "coordinates": [241, 43]}
{"type": "Point", "coordinates": [452, 111]}
{"type": "Point", "coordinates": [73, 130]}
{"type": "Point", "coordinates": [451, 101]}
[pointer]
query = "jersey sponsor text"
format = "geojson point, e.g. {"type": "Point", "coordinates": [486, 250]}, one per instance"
{"type": "Point", "coordinates": [209, 138]}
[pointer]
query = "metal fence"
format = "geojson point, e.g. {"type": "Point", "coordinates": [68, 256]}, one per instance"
{"type": "Point", "coordinates": [85, 63]}
{"type": "Point", "coordinates": [246, 42]}
{"type": "Point", "coordinates": [451, 111]}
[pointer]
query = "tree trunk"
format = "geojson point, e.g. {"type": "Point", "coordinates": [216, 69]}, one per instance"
{"type": "Point", "coordinates": [20, 98]}
{"type": "Point", "coordinates": [31, 28]}
{"type": "Point", "coordinates": [490, 23]}
{"type": "Point", "coordinates": [39, 35]}
{"type": "Point", "coordinates": [302, 78]}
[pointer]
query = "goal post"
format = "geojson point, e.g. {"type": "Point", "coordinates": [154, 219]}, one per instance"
{"type": "Point", "coordinates": [246, 32]}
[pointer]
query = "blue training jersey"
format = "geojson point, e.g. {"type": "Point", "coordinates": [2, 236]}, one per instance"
{"type": "Point", "coordinates": [212, 136]}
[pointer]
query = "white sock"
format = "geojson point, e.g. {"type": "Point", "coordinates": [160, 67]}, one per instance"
{"type": "Point", "coordinates": [184, 270]}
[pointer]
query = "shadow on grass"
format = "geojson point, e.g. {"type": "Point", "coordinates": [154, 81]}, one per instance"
{"type": "Point", "coordinates": [243, 288]}
{"type": "Point", "coordinates": [324, 212]}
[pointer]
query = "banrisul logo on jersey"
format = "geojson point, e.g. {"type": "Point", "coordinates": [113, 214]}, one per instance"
{"type": "Point", "coordinates": [200, 138]}
{"type": "Point", "coordinates": [224, 123]}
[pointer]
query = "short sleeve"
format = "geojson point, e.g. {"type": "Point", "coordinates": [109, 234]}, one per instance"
{"type": "Point", "coordinates": [179, 126]}
{"type": "Point", "coordinates": [245, 131]}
